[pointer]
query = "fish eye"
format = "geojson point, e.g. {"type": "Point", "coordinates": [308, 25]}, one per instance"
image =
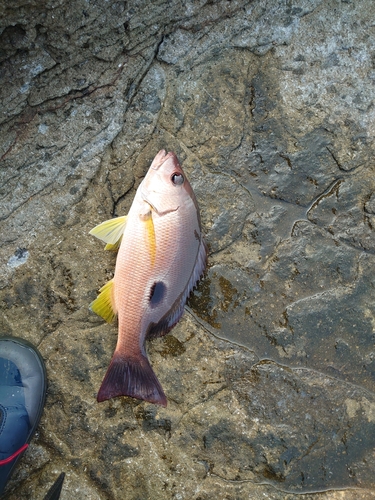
{"type": "Point", "coordinates": [177, 179]}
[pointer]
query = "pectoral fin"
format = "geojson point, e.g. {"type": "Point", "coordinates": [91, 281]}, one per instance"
{"type": "Point", "coordinates": [151, 239]}
{"type": "Point", "coordinates": [150, 234]}
{"type": "Point", "coordinates": [110, 231]}
{"type": "Point", "coordinates": [103, 305]}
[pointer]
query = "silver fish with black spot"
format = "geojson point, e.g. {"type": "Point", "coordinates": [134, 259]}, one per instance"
{"type": "Point", "coordinates": [161, 257]}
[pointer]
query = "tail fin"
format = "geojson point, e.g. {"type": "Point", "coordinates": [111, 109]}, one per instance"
{"type": "Point", "coordinates": [133, 377]}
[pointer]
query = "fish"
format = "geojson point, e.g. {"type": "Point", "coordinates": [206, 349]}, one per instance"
{"type": "Point", "coordinates": [161, 257]}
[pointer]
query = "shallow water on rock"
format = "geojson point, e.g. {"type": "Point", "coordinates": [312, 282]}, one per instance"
{"type": "Point", "coordinates": [304, 305]}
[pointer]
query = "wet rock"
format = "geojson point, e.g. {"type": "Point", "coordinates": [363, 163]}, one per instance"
{"type": "Point", "coordinates": [270, 375]}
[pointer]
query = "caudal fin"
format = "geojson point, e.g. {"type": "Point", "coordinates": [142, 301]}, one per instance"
{"type": "Point", "coordinates": [131, 377]}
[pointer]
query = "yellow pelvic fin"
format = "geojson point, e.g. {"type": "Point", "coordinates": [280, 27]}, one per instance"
{"type": "Point", "coordinates": [110, 231]}
{"type": "Point", "coordinates": [150, 234]}
{"type": "Point", "coordinates": [103, 304]}
{"type": "Point", "coordinates": [114, 247]}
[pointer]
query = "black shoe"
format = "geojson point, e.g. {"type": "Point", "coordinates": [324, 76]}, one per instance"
{"type": "Point", "coordinates": [22, 394]}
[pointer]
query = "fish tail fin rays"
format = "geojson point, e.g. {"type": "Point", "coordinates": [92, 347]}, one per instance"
{"type": "Point", "coordinates": [103, 304]}
{"type": "Point", "coordinates": [134, 377]}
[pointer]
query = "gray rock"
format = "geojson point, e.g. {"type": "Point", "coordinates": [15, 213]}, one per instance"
{"type": "Point", "coordinates": [270, 374]}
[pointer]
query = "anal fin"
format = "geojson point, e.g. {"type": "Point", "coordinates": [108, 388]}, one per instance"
{"type": "Point", "coordinates": [103, 305]}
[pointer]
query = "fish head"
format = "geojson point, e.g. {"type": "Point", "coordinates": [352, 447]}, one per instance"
{"type": "Point", "coordinates": [165, 187]}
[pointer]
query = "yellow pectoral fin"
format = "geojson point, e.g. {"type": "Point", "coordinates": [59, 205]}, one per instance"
{"type": "Point", "coordinates": [110, 231]}
{"type": "Point", "coordinates": [150, 235]}
{"type": "Point", "coordinates": [103, 304]}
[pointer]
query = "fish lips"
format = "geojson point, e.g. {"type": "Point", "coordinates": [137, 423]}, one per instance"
{"type": "Point", "coordinates": [154, 208]}
{"type": "Point", "coordinates": [162, 157]}
{"type": "Point", "coordinates": [155, 189]}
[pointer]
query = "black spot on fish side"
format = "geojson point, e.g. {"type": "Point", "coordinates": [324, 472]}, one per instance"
{"type": "Point", "coordinates": [157, 293]}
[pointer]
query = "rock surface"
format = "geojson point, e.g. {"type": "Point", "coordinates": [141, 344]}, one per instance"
{"type": "Point", "coordinates": [270, 375]}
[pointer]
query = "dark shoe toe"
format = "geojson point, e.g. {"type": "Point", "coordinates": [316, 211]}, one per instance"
{"type": "Point", "coordinates": [22, 396]}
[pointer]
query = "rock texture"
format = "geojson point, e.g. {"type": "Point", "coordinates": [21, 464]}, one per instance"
{"type": "Point", "coordinates": [270, 376]}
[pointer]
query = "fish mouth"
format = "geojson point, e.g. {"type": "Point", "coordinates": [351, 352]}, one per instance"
{"type": "Point", "coordinates": [161, 158]}
{"type": "Point", "coordinates": [147, 190]}
{"type": "Point", "coordinates": [149, 204]}
{"type": "Point", "coordinates": [154, 209]}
